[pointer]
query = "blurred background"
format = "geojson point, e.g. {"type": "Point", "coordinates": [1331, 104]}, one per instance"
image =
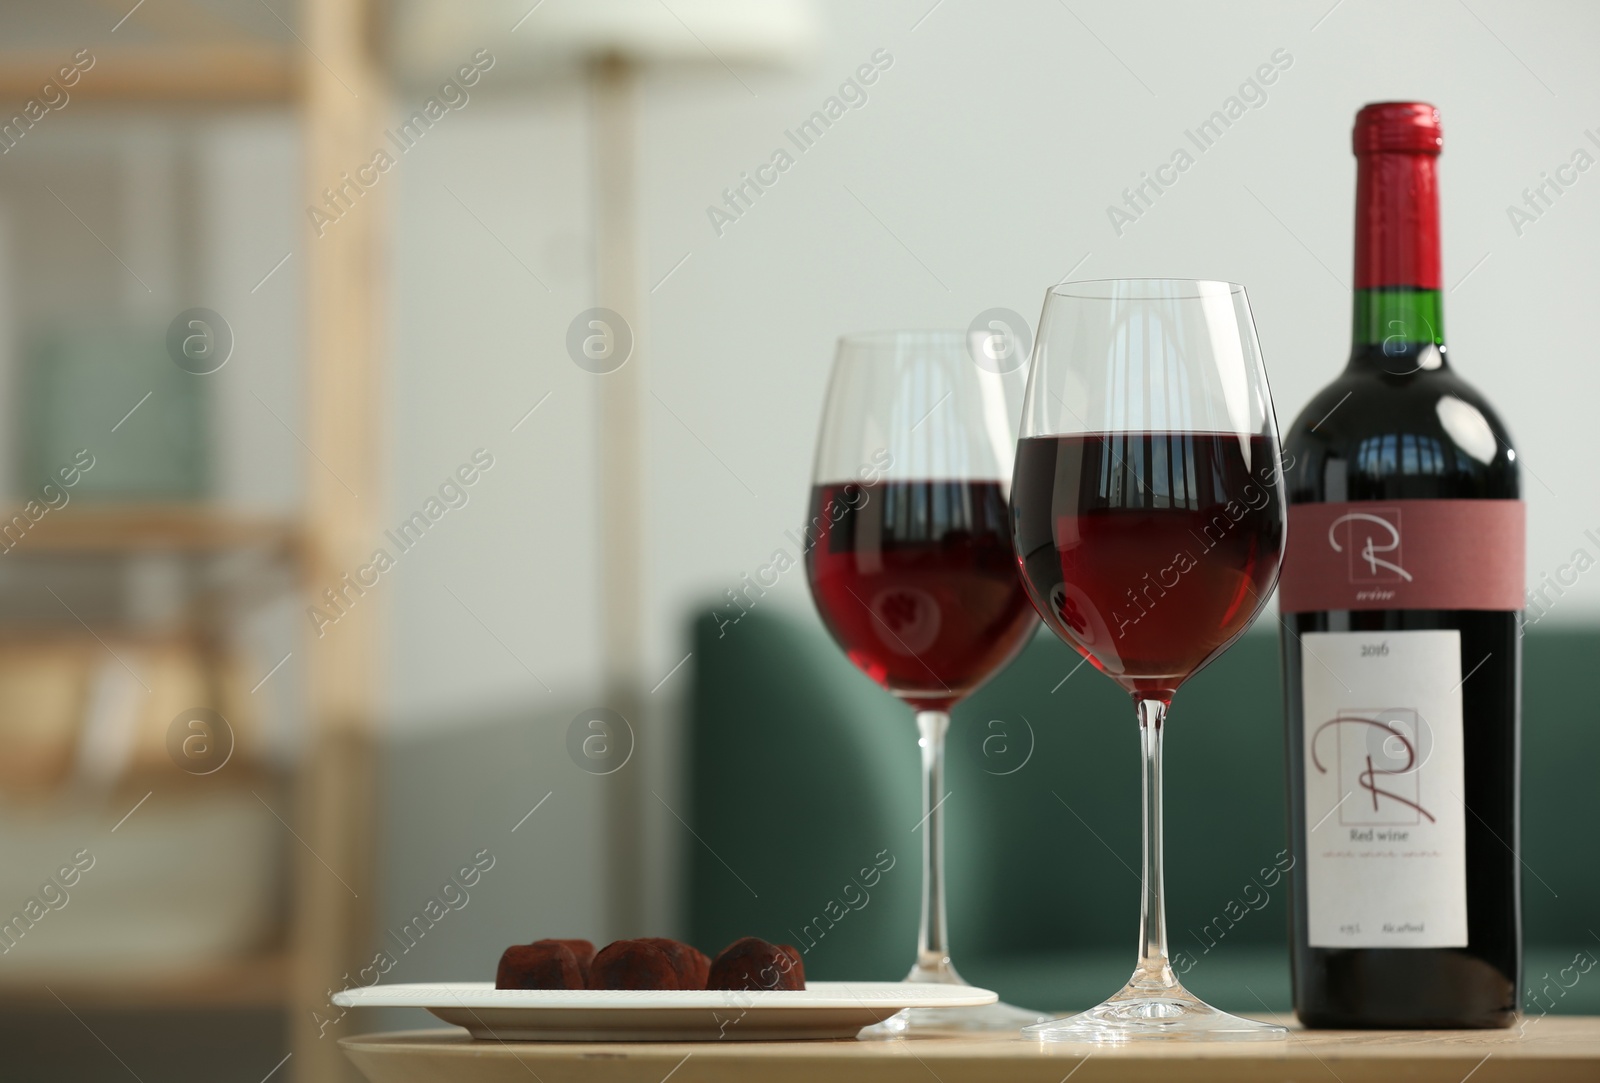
{"type": "Point", "coordinates": [538, 300]}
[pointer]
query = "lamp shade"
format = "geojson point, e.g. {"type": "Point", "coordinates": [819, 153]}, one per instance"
{"type": "Point", "coordinates": [548, 38]}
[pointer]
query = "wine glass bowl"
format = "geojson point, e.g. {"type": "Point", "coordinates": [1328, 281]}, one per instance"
{"type": "Point", "coordinates": [1150, 584]}
{"type": "Point", "coordinates": [916, 579]}
{"type": "Point", "coordinates": [910, 563]}
{"type": "Point", "coordinates": [1148, 516]}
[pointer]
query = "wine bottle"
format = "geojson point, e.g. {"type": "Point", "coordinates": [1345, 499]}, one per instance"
{"type": "Point", "coordinates": [1401, 594]}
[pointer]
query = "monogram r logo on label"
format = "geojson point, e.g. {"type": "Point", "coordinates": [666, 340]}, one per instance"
{"type": "Point", "coordinates": [1372, 538]}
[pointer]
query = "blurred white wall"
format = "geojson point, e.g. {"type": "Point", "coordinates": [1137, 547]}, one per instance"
{"type": "Point", "coordinates": [977, 173]}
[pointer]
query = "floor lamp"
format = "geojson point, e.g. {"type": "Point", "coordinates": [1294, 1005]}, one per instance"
{"type": "Point", "coordinates": [607, 43]}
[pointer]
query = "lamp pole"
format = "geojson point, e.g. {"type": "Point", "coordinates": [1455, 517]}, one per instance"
{"type": "Point", "coordinates": [622, 528]}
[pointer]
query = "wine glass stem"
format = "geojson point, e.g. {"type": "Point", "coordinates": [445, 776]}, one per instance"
{"type": "Point", "coordinates": [933, 950]}
{"type": "Point", "coordinates": [1154, 969]}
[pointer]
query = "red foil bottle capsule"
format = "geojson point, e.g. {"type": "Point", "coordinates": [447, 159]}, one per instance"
{"type": "Point", "coordinates": [1397, 147]}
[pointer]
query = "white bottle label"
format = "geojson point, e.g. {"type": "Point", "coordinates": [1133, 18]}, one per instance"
{"type": "Point", "coordinates": [1386, 847]}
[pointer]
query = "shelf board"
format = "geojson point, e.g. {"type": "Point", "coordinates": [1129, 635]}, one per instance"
{"type": "Point", "coordinates": [148, 527]}
{"type": "Point", "coordinates": [252, 982]}
{"type": "Point", "coordinates": [200, 73]}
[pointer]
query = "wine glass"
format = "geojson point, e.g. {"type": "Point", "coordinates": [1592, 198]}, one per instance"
{"type": "Point", "coordinates": [910, 563]}
{"type": "Point", "coordinates": [1148, 518]}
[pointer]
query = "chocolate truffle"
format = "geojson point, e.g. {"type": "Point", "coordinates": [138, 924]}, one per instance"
{"type": "Point", "coordinates": [545, 964]}
{"type": "Point", "coordinates": [799, 965]}
{"type": "Point", "coordinates": [632, 964]}
{"type": "Point", "coordinates": [689, 962]}
{"type": "Point", "coordinates": [752, 964]}
{"type": "Point", "coordinates": [582, 950]}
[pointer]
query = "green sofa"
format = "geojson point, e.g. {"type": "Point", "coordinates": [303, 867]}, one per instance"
{"type": "Point", "coordinates": [802, 773]}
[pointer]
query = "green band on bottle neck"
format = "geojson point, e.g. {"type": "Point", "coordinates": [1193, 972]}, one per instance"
{"type": "Point", "coordinates": [1398, 316]}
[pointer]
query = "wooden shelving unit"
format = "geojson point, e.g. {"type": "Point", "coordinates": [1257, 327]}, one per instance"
{"type": "Point", "coordinates": [343, 118]}
{"type": "Point", "coordinates": [217, 73]}
{"type": "Point", "coordinates": [331, 76]}
{"type": "Point", "coordinates": [170, 528]}
{"type": "Point", "coordinates": [259, 981]}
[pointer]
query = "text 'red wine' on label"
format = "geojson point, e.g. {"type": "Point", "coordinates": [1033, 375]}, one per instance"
{"type": "Point", "coordinates": [1404, 554]}
{"type": "Point", "coordinates": [1386, 832]}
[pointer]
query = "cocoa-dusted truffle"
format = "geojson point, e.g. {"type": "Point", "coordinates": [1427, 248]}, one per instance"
{"type": "Point", "coordinates": [690, 963]}
{"type": "Point", "coordinates": [799, 966]}
{"type": "Point", "coordinates": [545, 964]}
{"type": "Point", "coordinates": [752, 964]}
{"type": "Point", "coordinates": [632, 964]}
{"type": "Point", "coordinates": [582, 950]}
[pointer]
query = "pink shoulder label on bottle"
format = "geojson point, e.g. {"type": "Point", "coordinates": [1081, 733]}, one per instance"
{"type": "Point", "coordinates": [1405, 554]}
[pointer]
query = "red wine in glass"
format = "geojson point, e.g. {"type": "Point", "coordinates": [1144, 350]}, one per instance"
{"type": "Point", "coordinates": [917, 581]}
{"type": "Point", "coordinates": [1148, 551]}
{"type": "Point", "coordinates": [1148, 517]}
{"type": "Point", "coordinates": [910, 562]}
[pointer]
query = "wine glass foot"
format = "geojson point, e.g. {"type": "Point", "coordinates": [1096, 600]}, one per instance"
{"type": "Point", "coordinates": [1142, 1013]}
{"type": "Point", "coordinates": [934, 1022]}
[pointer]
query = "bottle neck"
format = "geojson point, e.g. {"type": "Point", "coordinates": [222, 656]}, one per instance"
{"type": "Point", "coordinates": [1394, 318]}
{"type": "Point", "coordinates": [1398, 321]}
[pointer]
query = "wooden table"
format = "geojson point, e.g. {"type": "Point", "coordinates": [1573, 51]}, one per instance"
{"type": "Point", "coordinates": [1552, 1049]}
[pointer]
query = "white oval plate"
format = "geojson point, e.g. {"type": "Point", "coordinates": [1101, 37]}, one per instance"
{"type": "Point", "coordinates": [824, 1009]}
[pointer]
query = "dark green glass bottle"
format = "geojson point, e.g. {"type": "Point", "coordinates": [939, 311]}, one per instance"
{"type": "Point", "coordinates": [1401, 591]}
